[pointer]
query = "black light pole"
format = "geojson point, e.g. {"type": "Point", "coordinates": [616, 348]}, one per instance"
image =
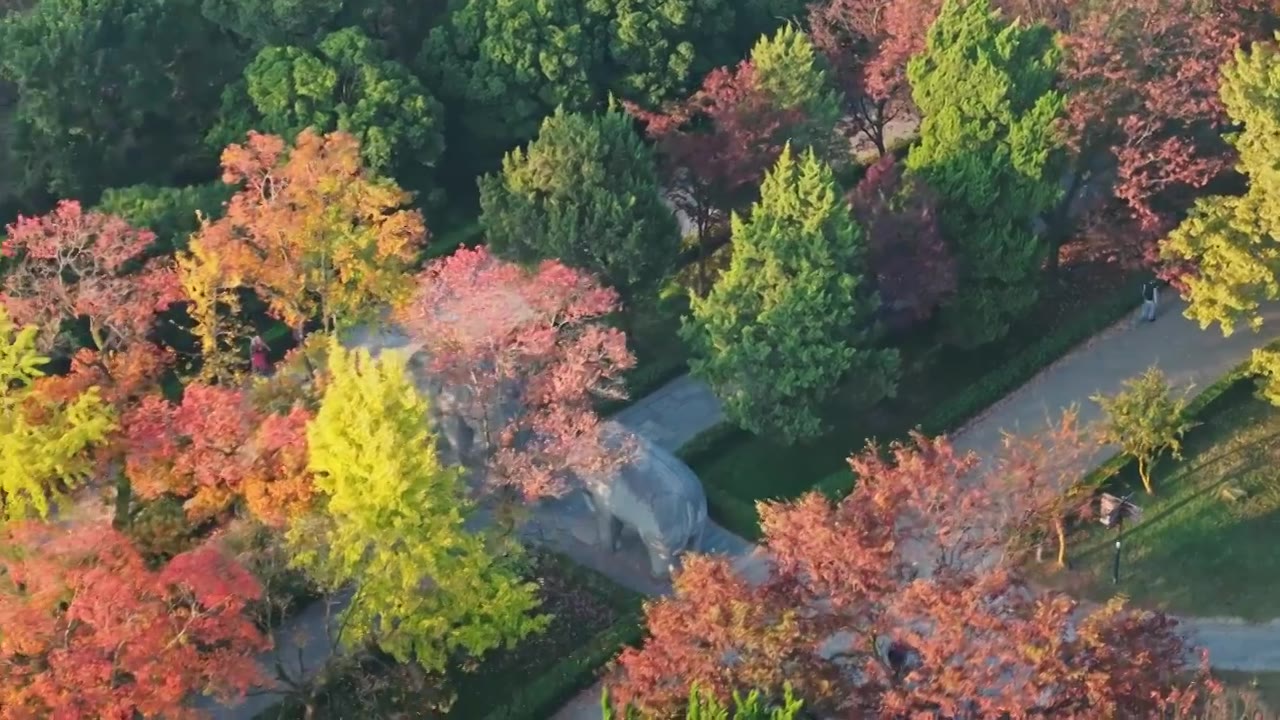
{"type": "Point", "coordinates": [1121, 510]}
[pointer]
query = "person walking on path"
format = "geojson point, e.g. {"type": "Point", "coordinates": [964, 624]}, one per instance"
{"type": "Point", "coordinates": [258, 356]}
{"type": "Point", "coordinates": [1150, 297]}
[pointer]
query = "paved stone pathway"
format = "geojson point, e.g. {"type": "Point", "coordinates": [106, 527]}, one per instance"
{"type": "Point", "coordinates": [1191, 358]}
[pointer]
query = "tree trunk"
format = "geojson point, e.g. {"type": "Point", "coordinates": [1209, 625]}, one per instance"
{"type": "Point", "coordinates": [1058, 226]}
{"type": "Point", "coordinates": [1061, 529]}
{"type": "Point", "coordinates": [124, 500]}
{"type": "Point", "coordinates": [96, 334]}
{"type": "Point", "coordinates": [1144, 472]}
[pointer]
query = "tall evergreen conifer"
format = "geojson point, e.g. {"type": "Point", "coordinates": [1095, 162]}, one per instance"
{"type": "Point", "coordinates": [793, 313]}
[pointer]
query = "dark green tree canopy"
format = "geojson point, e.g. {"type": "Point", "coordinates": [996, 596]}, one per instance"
{"type": "Point", "coordinates": [989, 144]}
{"type": "Point", "coordinates": [274, 22]}
{"type": "Point", "coordinates": [401, 23]}
{"type": "Point", "coordinates": [112, 92]}
{"type": "Point", "coordinates": [585, 192]}
{"type": "Point", "coordinates": [346, 84]}
{"type": "Point", "coordinates": [508, 63]}
{"type": "Point", "coordinates": [170, 212]}
{"type": "Point", "coordinates": [793, 313]}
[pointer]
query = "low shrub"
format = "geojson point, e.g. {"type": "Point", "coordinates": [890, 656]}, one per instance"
{"type": "Point", "coordinates": [160, 528]}
{"type": "Point", "coordinates": [586, 610]}
{"type": "Point", "coordinates": [1225, 390]}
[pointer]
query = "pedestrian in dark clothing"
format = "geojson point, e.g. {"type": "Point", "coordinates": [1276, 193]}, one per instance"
{"type": "Point", "coordinates": [1150, 297]}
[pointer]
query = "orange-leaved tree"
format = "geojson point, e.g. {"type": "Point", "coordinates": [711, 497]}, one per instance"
{"type": "Point", "coordinates": [897, 602]}
{"type": "Point", "coordinates": [90, 632]}
{"type": "Point", "coordinates": [213, 448]}
{"type": "Point", "coordinates": [1044, 473]}
{"type": "Point", "coordinates": [312, 231]}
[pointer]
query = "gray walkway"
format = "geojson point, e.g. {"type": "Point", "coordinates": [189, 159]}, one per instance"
{"type": "Point", "coordinates": [1192, 359]}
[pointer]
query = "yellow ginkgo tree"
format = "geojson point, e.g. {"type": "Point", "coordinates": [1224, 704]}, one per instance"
{"type": "Point", "coordinates": [1233, 242]}
{"type": "Point", "coordinates": [44, 444]}
{"type": "Point", "coordinates": [392, 525]}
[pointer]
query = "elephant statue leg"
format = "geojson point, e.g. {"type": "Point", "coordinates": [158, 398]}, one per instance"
{"type": "Point", "coordinates": [660, 561]}
{"type": "Point", "coordinates": [610, 529]}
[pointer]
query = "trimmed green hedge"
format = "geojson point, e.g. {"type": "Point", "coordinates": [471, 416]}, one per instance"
{"type": "Point", "coordinates": [644, 380]}
{"type": "Point", "coordinates": [741, 517]}
{"type": "Point", "coordinates": [548, 692]}
{"type": "Point", "coordinates": [731, 512]}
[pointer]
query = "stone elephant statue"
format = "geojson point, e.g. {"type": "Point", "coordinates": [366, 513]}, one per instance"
{"type": "Point", "coordinates": [655, 494]}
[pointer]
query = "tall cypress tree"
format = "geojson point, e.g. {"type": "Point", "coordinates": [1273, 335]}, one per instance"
{"type": "Point", "coordinates": [793, 312]}
{"type": "Point", "coordinates": [585, 192]}
{"type": "Point", "coordinates": [989, 146]}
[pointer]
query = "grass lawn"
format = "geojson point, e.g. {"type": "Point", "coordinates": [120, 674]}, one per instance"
{"type": "Point", "coordinates": [1263, 688]}
{"type": "Point", "coordinates": [759, 468]}
{"type": "Point", "coordinates": [582, 604]}
{"type": "Point", "coordinates": [1195, 551]}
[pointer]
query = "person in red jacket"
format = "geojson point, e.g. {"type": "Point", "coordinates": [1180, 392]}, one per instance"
{"type": "Point", "coordinates": [258, 356]}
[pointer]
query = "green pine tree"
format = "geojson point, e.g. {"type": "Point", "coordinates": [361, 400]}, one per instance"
{"type": "Point", "coordinates": [585, 192]}
{"type": "Point", "coordinates": [790, 71]}
{"type": "Point", "coordinates": [989, 146]}
{"type": "Point", "coordinates": [391, 526]}
{"type": "Point", "coordinates": [793, 312]}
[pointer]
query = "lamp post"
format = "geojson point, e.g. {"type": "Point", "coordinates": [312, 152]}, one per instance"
{"type": "Point", "coordinates": [1115, 511]}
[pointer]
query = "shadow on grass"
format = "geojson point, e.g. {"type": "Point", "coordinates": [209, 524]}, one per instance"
{"type": "Point", "coordinates": [1196, 551]}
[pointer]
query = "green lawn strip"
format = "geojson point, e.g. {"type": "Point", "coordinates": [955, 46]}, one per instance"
{"type": "Point", "coordinates": [1205, 543]}
{"type": "Point", "coordinates": [941, 390]}
{"type": "Point", "coordinates": [1262, 687]}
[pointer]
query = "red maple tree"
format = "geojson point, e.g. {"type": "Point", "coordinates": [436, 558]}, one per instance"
{"type": "Point", "coordinates": [1043, 471]}
{"type": "Point", "coordinates": [715, 147]}
{"type": "Point", "coordinates": [896, 602]}
{"type": "Point", "coordinates": [213, 448]}
{"type": "Point", "coordinates": [91, 632]}
{"type": "Point", "coordinates": [72, 264]}
{"type": "Point", "coordinates": [1143, 106]}
{"type": "Point", "coordinates": [863, 42]}
{"type": "Point", "coordinates": [525, 355]}
{"type": "Point", "coordinates": [123, 377]}
{"type": "Point", "coordinates": [914, 268]}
